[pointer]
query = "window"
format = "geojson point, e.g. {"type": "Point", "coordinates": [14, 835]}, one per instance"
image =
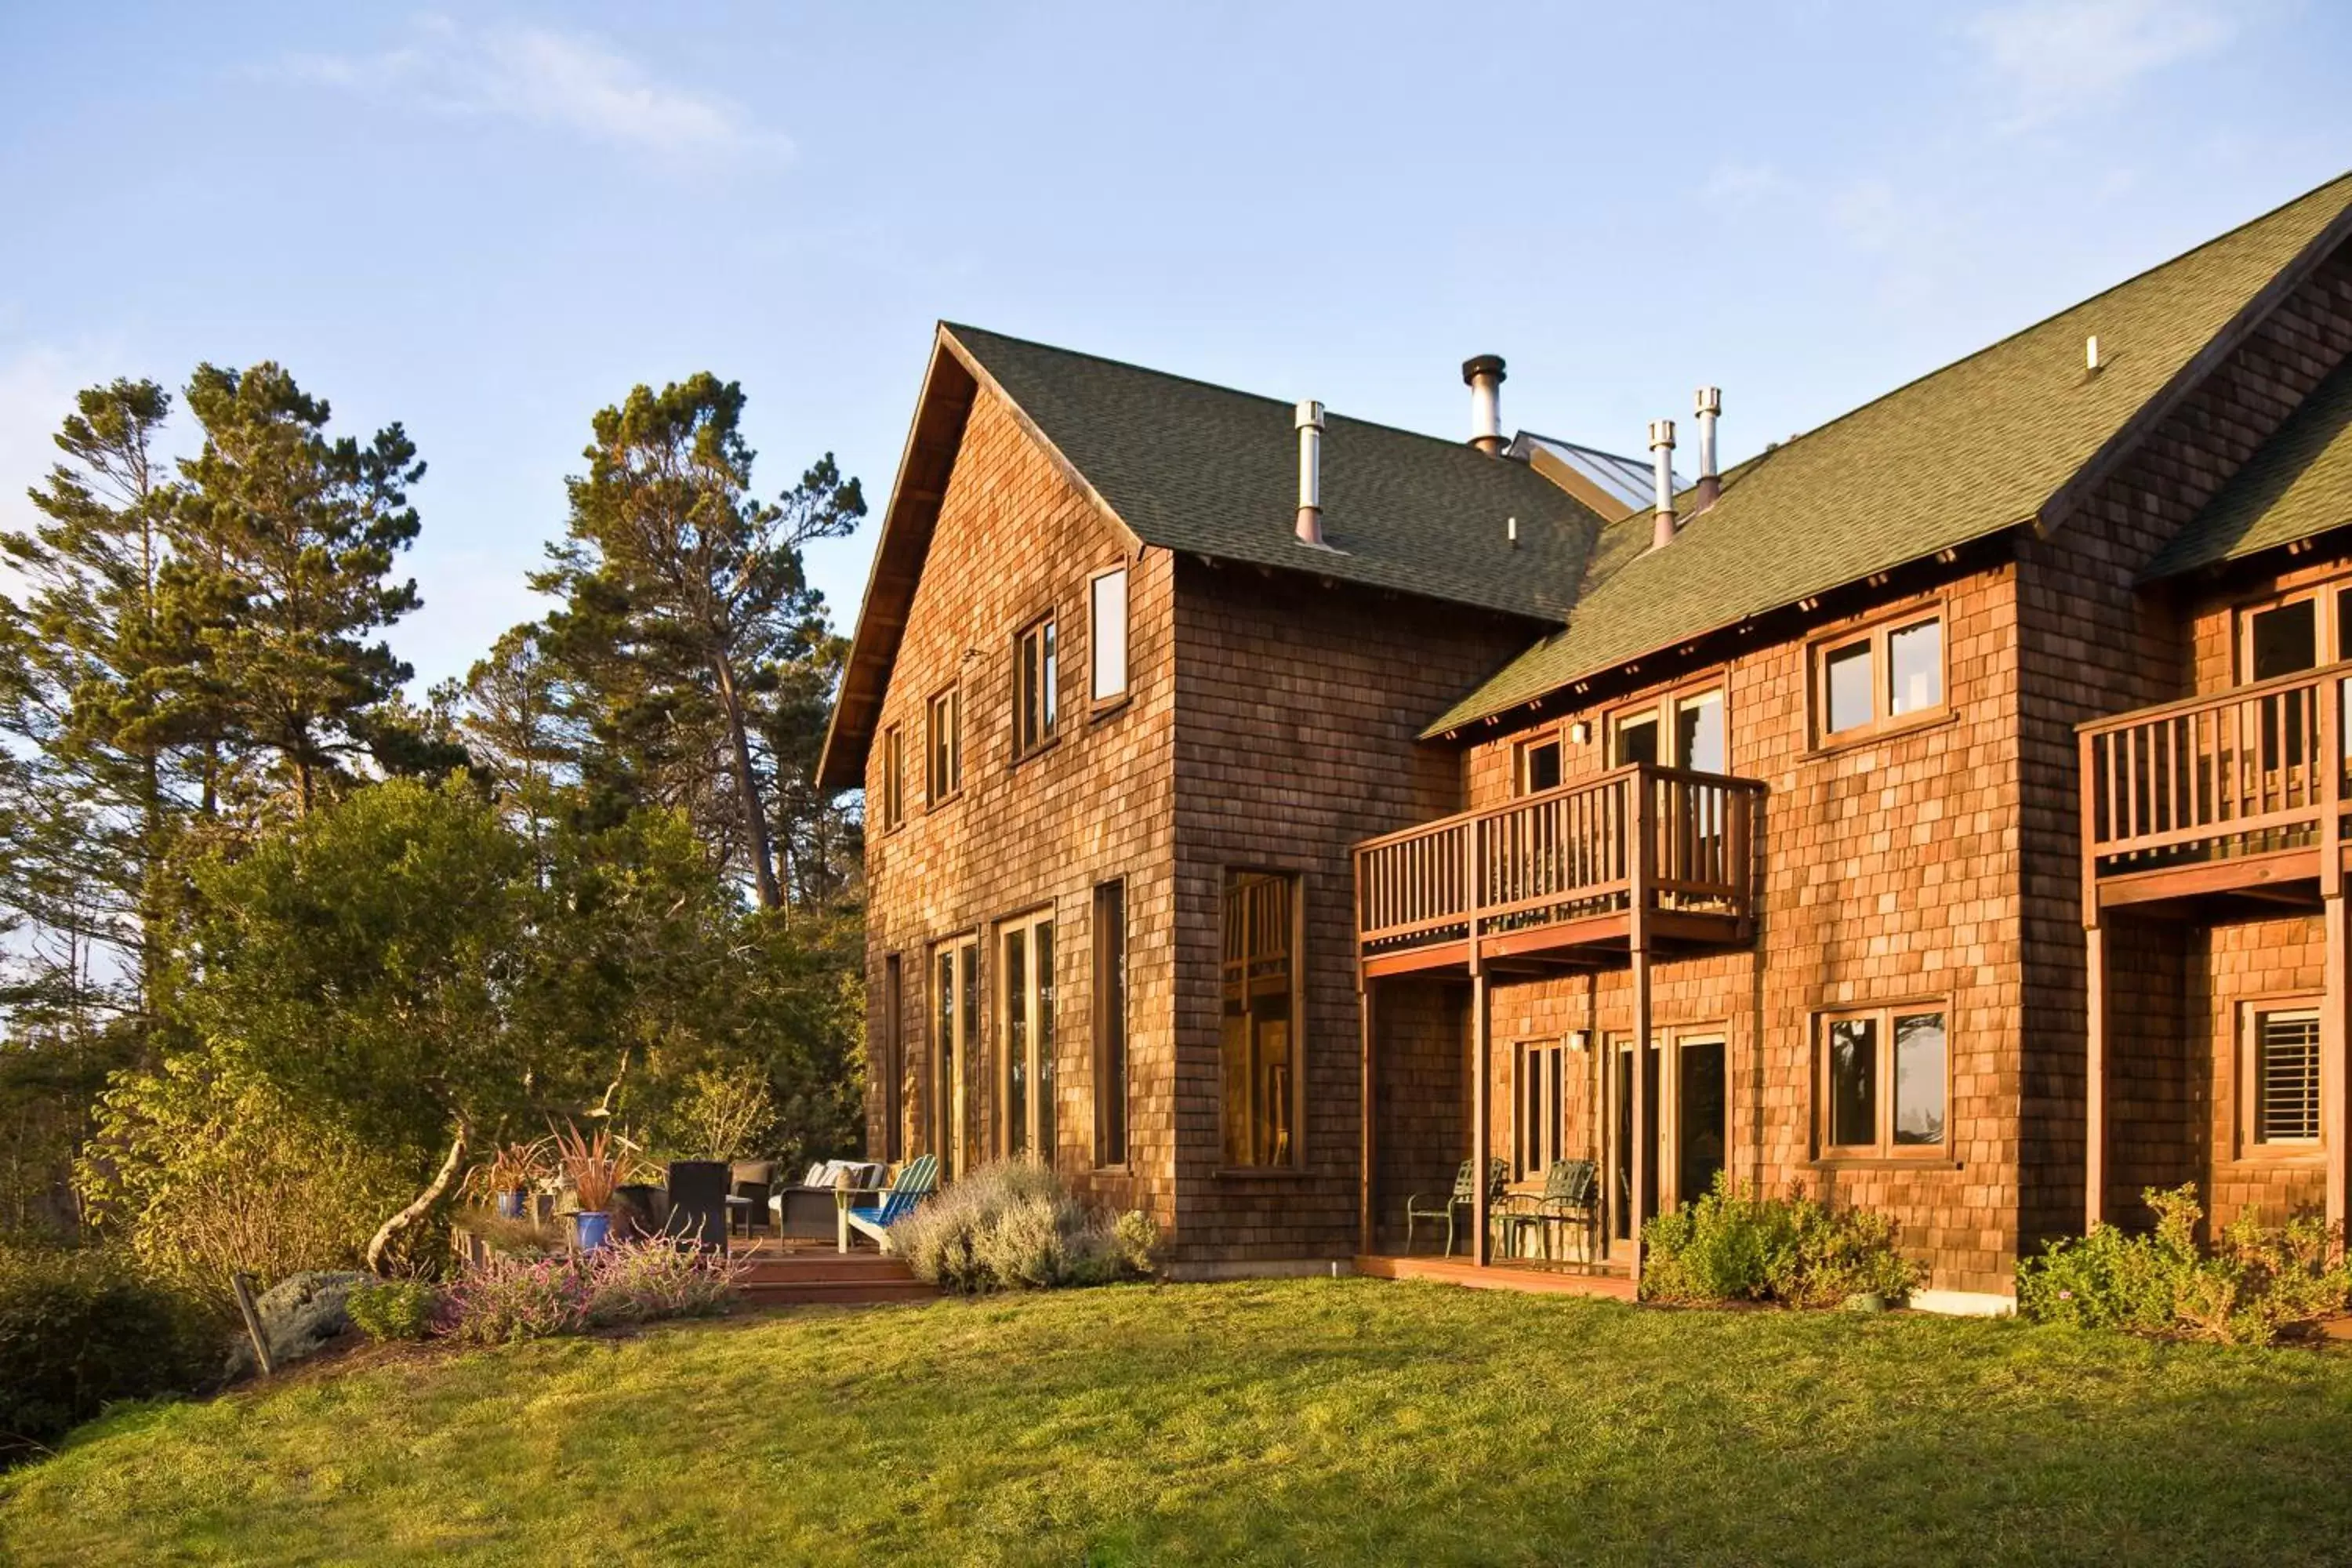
{"type": "Point", "coordinates": [1110, 1024]}
{"type": "Point", "coordinates": [955, 1038]}
{"type": "Point", "coordinates": [1891, 674]}
{"type": "Point", "coordinates": [1260, 1038]}
{"type": "Point", "coordinates": [1537, 1136]}
{"type": "Point", "coordinates": [1036, 689]}
{"type": "Point", "coordinates": [1535, 764]}
{"type": "Point", "coordinates": [894, 778]}
{"type": "Point", "coordinates": [2279, 1077]}
{"type": "Point", "coordinates": [1682, 730]}
{"type": "Point", "coordinates": [1106, 636]}
{"type": "Point", "coordinates": [1028, 969]}
{"type": "Point", "coordinates": [944, 763]}
{"type": "Point", "coordinates": [1883, 1078]}
{"type": "Point", "coordinates": [893, 1057]}
{"type": "Point", "coordinates": [2282, 639]}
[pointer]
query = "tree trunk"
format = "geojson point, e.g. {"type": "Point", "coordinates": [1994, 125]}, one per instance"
{"type": "Point", "coordinates": [417, 1211]}
{"type": "Point", "coordinates": [755, 810]}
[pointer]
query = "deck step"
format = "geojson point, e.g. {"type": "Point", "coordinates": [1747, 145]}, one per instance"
{"type": "Point", "coordinates": [808, 1276]}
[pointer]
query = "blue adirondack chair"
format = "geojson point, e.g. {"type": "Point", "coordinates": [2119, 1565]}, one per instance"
{"type": "Point", "coordinates": [916, 1180]}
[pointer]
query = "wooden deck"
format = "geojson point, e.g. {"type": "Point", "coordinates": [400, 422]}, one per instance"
{"type": "Point", "coordinates": [1556, 878]}
{"type": "Point", "coordinates": [1616, 1285]}
{"type": "Point", "coordinates": [794, 1272]}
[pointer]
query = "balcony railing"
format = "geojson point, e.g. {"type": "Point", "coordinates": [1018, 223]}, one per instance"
{"type": "Point", "coordinates": [2256, 770]}
{"type": "Point", "coordinates": [1668, 840]}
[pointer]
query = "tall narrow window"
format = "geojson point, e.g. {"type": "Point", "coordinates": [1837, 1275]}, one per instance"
{"type": "Point", "coordinates": [1028, 975]}
{"type": "Point", "coordinates": [894, 777]}
{"type": "Point", "coordinates": [1110, 1024]}
{"type": "Point", "coordinates": [1541, 1079]}
{"type": "Point", "coordinates": [1260, 1038]}
{"type": "Point", "coordinates": [955, 1040]}
{"type": "Point", "coordinates": [894, 1059]}
{"type": "Point", "coordinates": [943, 765]}
{"type": "Point", "coordinates": [1106, 636]}
{"type": "Point", "coordinates": [1535, 764]}
{"type": "Point", "coordinates": [1883, 1082]}
{"type": "Point", "coordinates": [1036, 693]}
{"type": "Point", "coordinates": [2282, 1076]}
{"type": "Point", "coordinates": [1700, 743]}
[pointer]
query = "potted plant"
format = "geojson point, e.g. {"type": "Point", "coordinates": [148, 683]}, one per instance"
{"type": "Point", "coordinates": [507, 1176]}
{"type": "Point", "coordinates": [592, 1166]}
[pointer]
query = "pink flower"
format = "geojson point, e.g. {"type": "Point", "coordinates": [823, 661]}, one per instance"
{"type": "Point", "coordinates": [2065, 1294]}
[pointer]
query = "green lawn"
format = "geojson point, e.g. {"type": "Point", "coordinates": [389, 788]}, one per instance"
{"type": "Point", "coordinates": [1309, 1421]}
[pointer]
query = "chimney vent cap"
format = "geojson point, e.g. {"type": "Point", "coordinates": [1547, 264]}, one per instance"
{"type": "Point", "coordinates": [1709, 400]}
{"type": "Point", "coordinates": [1662, 433]}
{"type": "Point", "coordinates": [1482, 365]}
{"type": "Point", "coordinates": [1308, 414]}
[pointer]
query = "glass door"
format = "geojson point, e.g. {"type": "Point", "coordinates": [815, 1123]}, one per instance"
{"type": "Point", "coordinates": [1027, 970]}
{"type": "Point", "coordinates": [1702, 1121]}
{"type": "Point", "coordinates": [1625, 1146]}
{"type": "Point", "coordinates": [955, 1038]}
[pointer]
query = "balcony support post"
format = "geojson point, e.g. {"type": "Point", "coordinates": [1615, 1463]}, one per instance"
{"type": "Point", "coordinates": [1481, 1114]}
{"type": "Point", "coordinates": [2331, 889]}
{"type": "Point", "coordinates": [2094, 994]}
{"type": "Point", "coordinates": [1366, 1218]}
{"type": "Point", "coordinates": [1638, 929]}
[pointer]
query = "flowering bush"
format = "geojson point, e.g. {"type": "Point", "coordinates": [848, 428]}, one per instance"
{"type": "Point", "coordinates": [1011, 1225]}
{"type": "Point", "coordinates": [505, 1299]}
{"type": "Point", "coordinates": [2255, 1282]}
{"type": "Point", "coordinates": [1732, 1246]}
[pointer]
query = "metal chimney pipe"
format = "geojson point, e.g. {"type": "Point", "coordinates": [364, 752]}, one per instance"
{"type": "Point", "coordinates": [1484, 376]}
{"type": "Point", "coordinates": [1310, 419]}
{"type": "Point", "coordinates": [1661, 461]}
{"type": "Point", "coordinates": [1711, 407]}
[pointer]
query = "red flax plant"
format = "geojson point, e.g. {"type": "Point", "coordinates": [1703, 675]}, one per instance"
{"type": "Point", "coordinates": [594, 1165]}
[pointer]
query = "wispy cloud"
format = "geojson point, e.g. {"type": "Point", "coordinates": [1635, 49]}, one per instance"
{"type": "Point", "coordinates": [557, 82]}
{"type": "Point", "coordinates": [2056, 57]}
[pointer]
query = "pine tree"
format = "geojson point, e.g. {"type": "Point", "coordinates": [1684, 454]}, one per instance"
{"type": "Point", "coordinates": [687, 616]}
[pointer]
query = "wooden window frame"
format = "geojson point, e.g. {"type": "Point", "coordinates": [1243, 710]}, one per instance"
{"type": "Point", "coordinates": [1097, 701]}
{"type": "Point", "coordinates": [1550, 735]}
{"type": "Point", "coordinates": [894, 1056]}
{"type": "Point", "coordinates": [2251, 1148]}
{"type": "Point", "coordinates": [1111, 1032]}
{"type": "Point", "coordinates": [1040, 1138]}
{"type": "Point", "coordinates": [1297, 1166]}
{"type": "Point", "coordinates": [1523, 1053]}
{"type": "Point", "coordinates": [894, 778]}
{"type": "Point", "coordinates": [2329, 627]}
{"type": "Point", "coordinates": [950, 1118]}
{"type": "Point", "coordinates": [1042, 629]}
{"type": "Point", "coordinates": [1883, 1150]}
{"type": "Point", "coordinates": [1878, 632]}
{"type": "Point", "coordinates": [943, 781]}
{"type": "Point", "coordinates": [1661, 705]}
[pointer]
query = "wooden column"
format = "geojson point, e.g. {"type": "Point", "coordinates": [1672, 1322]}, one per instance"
{"type": "Point", "coordinates": [1638, 932]}
{"type": "Point", "coordinates": [2094, 995]}
{"type": "Point", "coordinates": [1481, 1111]}
{"type": "Point", "coordinates": [1366, 1219]}
{"type": "Point", "coordinates": [2094, 1080]}
{"type": "Point", "coordinates": [2331, 888]}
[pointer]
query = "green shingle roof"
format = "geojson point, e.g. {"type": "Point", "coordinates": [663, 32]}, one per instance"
{"type": "Point", "coordinates": [1969, 450]}
{"type": "Point", "coordinates": [1215, 471]}
{"type": "Point", "coordinates": [2297, 485]}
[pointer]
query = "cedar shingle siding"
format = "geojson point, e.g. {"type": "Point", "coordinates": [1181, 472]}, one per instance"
{"type": "Point", "coordinates": [2086, 537]}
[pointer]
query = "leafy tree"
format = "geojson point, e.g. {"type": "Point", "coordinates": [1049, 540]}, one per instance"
{"type": "Point", "coordinates": [687, 611]}
{"type": "Point", "coordinates": [515, 718]}
{"type": "Point", "coordinates": [286, 541]}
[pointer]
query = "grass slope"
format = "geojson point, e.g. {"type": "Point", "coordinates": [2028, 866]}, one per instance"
{"type": "Point", "coordinates": [1296, 1422]}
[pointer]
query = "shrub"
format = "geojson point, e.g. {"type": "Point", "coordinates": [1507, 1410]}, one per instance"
{"type": "Point", "coordinates": [505, 1299]}
{"type": "Point", "coordinates": [81, 1329]}
{"type": "Point", "coordinates": [394, 1308]}
{"type": "Point", "coordinates": [1011, 1225]}
{"type": "Point", "coordinates": [2255, 1282]}
{"type": "Point", "coordinates": [1732, 1246]}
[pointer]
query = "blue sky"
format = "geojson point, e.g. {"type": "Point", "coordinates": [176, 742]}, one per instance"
{"type": "Point", "coordinates": [487, 221]}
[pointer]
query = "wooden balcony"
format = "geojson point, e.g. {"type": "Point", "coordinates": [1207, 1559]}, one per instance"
{"type": "Point", "coordinates": [2236, 798]}
{"type": "Point", "coordinates": [1570, 876]}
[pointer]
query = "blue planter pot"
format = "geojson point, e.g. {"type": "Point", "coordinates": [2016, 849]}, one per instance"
{"type": "Point", "coordinates": [591, 1230]}
{"type": "Point", "coordinates": [514, 1205]}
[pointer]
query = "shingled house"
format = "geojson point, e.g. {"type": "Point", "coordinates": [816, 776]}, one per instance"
{"type": "Point", "coordinates": [1266, 808]}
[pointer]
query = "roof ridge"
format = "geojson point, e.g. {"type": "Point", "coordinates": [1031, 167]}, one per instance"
{"type": "Point", "coordinates": [1214, 386]}
{"type": "Point", "coordinates": [2141, 276]}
